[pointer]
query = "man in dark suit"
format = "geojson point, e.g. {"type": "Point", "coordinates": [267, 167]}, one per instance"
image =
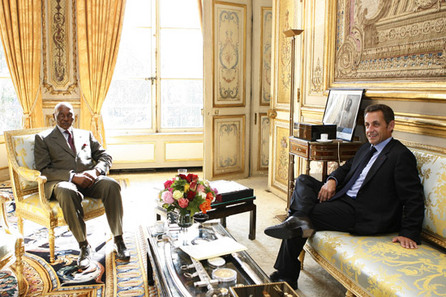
{"type": "Point", "coordinates": [378, 191]}
{"type": "Point", "coordinates": [75, 165]}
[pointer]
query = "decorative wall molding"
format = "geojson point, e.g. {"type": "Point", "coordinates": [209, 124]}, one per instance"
{"type": "Point", "coordinates": [279, 177]}
{"type": "Point", "coordinates": [229, 144]}
{"type": "Point", "coordinates": [229, 54]}
{"type": "Point", "coordinates": [265, 56]}
{"type": "Point", "coordinates": [286, 20]}
{"type": "Point", "coordinates": [59, 48]}
{"type": "Point", "coordinates": [264, 127]}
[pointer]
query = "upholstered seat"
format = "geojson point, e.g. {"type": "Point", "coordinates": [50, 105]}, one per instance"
{"type": "Point", "coordinates": [381, 267]}
{"type": "Point", "coordinates": [374, 266]}
{"type": "Point", "coordinates": [11, 249]}
{"type": "Point", "coordinates": [28, 187]}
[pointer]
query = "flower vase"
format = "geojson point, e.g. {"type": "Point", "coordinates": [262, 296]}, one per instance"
{"type": "Point", "coordinates": [185, 220]}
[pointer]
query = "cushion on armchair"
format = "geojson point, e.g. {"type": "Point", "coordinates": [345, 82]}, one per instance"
{"type": "Point", "coordinates": [431, 168]}
{"type": "Point", "coordinates": [31, 205]}
{"type": "Point", "coordinates": [24, 153]}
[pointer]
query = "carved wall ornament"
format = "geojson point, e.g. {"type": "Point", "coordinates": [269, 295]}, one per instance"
{"type": "Point", "coordinates": [287, 17]}
{"type": "Point", "coordinates": [230, 52]}
{"type": "Point", "coordinates": [266, 37]}
{"type": "Point", "coordinates": [59, 48]}
{"type": "Point", "coordinates": [389, 39]}
{"type": "Point", "coordinates": [285, 56]}
{"type": "Point", "coordinates": [316, 78]}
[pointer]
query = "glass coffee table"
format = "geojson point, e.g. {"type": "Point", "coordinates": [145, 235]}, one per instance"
{"type": "Point", "coordinates": [175, 273]}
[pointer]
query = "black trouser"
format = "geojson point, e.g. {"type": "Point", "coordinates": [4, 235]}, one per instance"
{"type": "Point", "coordinates": [337, 215]}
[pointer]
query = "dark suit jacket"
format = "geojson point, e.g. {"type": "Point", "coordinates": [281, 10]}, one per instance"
{"type": "Point", "coordinates": [391, 197]}
{"type": "Point", "coordinates": [55, 159]}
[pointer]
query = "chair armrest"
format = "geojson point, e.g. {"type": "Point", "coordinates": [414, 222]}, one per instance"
{"type": "Point", "coordinates": [31, 175]}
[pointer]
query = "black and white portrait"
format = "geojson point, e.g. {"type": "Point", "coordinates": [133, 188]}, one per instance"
{"type": "Point", "coordinates": [342, 109]}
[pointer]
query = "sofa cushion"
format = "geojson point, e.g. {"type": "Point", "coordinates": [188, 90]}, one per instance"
{"type": "Point", "coordinates": [383, 268]}
{"type": "Point", "coordinates": [431, 168]}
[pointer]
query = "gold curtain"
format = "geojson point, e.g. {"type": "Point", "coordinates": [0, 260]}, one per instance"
{"type": "Point", "coordinates": [99, 27]}
{"type": "Point", "coordinates": [200, 13]}
{"type": "Point", "coordinates": [21, 30]}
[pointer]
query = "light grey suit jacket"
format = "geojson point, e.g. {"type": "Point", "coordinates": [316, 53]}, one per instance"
{"type": "Point", "coordinates": [55, 159]}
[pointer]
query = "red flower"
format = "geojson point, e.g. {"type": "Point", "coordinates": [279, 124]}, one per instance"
{"type": "Point", "coordinates": [182, 176]}
{"type": "Point", "coordinates": [191, 195]}
{"type": "Point", "coordinates": [193, 186]}
{"type": "Point", "coordinates": [191, 178]}
{"type": "Point", "coordinates": [168, 183]}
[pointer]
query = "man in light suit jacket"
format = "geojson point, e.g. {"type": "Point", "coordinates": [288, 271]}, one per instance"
{"type": "Point", "coordinates": [385, 195]}
{"type": "Point", "coordinates": [75, 165]}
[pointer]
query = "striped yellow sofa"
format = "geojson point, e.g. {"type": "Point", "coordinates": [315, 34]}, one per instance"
{"type": "Point", "coordinates": [374, 266]}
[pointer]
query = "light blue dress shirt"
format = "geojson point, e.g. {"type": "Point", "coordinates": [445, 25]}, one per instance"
{"type": "Point", "coordinates": [357, 185]}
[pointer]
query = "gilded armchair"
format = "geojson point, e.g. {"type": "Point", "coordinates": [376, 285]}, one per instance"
{"type": "Point", "coordinates": [28, 187]}
{"type": "Point", "coordinates": [11, 248]}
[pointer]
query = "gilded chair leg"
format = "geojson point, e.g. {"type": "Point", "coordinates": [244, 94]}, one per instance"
{"type": "Point", "coordinates": [51, 239]}
{"type": "Point", "coordinates": [18, 267]}
{"type": "Point", "coordinates": [20, 224]}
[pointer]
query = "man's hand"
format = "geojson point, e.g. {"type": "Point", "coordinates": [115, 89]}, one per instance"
{"type": "Point", "coordinates": [405, 242]}
{"type": "Point", "coordinates": [85, 179]}
{"type": "Point", "coordinates": [327, 191]}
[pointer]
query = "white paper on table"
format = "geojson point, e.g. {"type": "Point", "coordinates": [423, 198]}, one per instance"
{"type": "Point", "coordinates": [211, 249]}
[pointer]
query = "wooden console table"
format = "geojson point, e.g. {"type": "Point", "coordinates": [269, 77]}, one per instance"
{"type": "Point", "coordinates": [335, 151]}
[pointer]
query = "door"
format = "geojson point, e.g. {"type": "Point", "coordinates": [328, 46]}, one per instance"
{"type": "Point", "coordinates": [227, 85]}
{"type": "Point", "coordinates": [261, 86]}
{"type": "Point", "coordinates": [286, 17]}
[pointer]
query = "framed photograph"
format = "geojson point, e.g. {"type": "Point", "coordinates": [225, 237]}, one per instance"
{"type": "Point", "coordinates": [342, 109]}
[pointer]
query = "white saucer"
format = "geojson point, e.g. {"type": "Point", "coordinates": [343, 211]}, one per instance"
{"type": "Point", "coordinates": [324, 141]}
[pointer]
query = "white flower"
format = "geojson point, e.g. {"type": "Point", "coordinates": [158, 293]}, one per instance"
{"type": "Point", "coordinates": [177, 194]}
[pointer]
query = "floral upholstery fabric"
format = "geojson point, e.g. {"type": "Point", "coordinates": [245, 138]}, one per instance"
{"type": "Point", "coordinates": [31, 204]}
{"type": "Point", "coordinates": [24, 152]}
{"type": "Point", "coordinates": [432, 170]}
{"type": "Point", "coordinates": [383, 268]}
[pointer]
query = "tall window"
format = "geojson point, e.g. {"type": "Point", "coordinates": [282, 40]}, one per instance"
{"type": "Point", "coordinates": [10, 109]}
{"type": "Point", "coordinates": [158, 80]}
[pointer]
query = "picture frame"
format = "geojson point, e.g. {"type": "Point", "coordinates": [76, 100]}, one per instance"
{"type": "Point", "coordinates": [342, 109]}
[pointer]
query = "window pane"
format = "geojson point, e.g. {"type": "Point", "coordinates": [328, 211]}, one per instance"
{"type": "Point", "coordinates": [10, 108]}
{"type": "Point", "coordinates": [134, 57]}
{"type": "Point", "coordinates": [128, 105]}
{"type": "Point", "coordinates": [181, 104]}
{"type": "Point", "coordinates": [184, 63]}
{"type": "Point", "coordinates": [179, 13]}
{"type": "Point", "coordinates": [4, 71]}
{"type": "Point", "coordinates": [138, 13]}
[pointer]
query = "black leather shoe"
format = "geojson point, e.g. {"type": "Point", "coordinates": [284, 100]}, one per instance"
{"type": "Point", "coordinates": [122, 254]}
{"type": "Point", "coordinates": [291, 227]}
{"type": "Point", "coordinates": [277, 277]}
{"type": "Point", "coordinates": [83, 261]}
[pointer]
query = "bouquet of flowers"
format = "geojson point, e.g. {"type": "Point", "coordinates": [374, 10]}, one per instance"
{"type": "Point", "coordinates": [186, 193]}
